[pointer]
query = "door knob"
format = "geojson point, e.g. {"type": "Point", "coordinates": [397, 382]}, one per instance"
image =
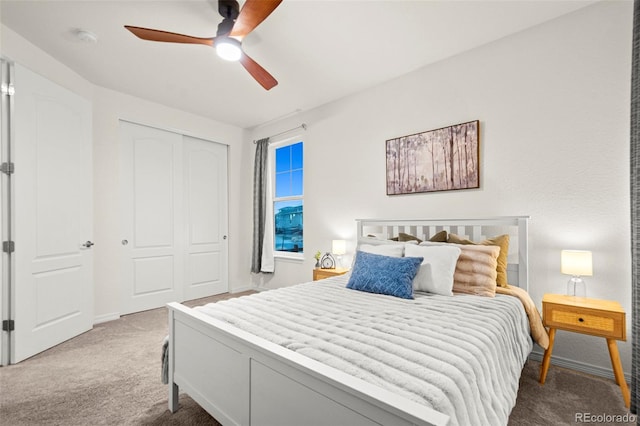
{"type": "Point", "coordinates": [88, 244]}
{"type": "Point", "coordinates": [125, 242]}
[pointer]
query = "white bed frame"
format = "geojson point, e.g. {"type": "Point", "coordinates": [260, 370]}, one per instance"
{"type": "Point", "coordinates": [241, 379]}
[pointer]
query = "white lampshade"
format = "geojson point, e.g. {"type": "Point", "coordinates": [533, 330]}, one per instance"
{"type": "Point", "coordinates": [339, 247]}
{"type": "Point", "coordinates": [576, 262]}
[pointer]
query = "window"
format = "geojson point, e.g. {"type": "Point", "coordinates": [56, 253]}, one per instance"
{"type": "Point", "coordinates": [288, 198]}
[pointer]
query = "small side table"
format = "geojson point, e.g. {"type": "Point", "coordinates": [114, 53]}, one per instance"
{"type": "Point", "coordinates": [320, 274]}
{"type": "Point", "coordinates": [594, 317]}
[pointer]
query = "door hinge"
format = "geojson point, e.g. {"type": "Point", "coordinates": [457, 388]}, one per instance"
{"type": "Point", "coordinates": [8, 246]}
{"type": "Point", "coordinates": [8, 325]}
{"type": "Point", "coordinates": [7, 168]}
{"type": "Point", "coordinates": [7, 89]}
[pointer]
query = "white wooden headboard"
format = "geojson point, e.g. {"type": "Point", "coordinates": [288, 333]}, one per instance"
{"type": "Point", "coordinates": [474, 229]}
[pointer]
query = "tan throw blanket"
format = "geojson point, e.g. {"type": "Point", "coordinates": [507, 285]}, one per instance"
{"type": "Point", "coordinates": [538, 332]}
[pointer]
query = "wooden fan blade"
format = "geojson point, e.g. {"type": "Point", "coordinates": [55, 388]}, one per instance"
{"type": "Point", "coordinates": [165, 36]}
{"type": "Point", "coordinates": [261, 75]}
{"type": "Point", "coordinates": [252, 14]}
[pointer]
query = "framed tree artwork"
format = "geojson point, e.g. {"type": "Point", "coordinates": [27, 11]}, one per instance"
{"type": "Point", "coordinates": [436, 160]}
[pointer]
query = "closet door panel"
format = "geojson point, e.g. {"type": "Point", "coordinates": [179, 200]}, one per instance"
{"type": "Point", "coordinates": [206, 218]}
{"type": "Point", "coordinates": [151, 245]}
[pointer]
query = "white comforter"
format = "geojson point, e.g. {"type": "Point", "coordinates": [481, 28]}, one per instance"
{"type": "Point", "coordinates": [460, 355]}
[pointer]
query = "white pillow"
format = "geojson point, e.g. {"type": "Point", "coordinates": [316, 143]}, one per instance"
{"type": "Point", "coordinates": [432, 243]}
{"type": "Point", "coordinates": [394, 250]}
{"type": "Point", "coordinates": [436, 271]}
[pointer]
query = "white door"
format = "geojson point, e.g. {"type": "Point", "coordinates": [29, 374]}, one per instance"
{"type": "Point", "coordinates": [52, 288]}
{"type": "Point", "coordinates": [174, 244]}
{"type": "Point", "coordinates": [6, 102]}
{"type": "Point", "coordinates": [152, 217]}
{"type": "Point", "coordinates": [205, 184]}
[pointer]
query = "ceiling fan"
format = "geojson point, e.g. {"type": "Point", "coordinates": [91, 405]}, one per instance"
{"type": "Point", "coordinates": [228, 40]}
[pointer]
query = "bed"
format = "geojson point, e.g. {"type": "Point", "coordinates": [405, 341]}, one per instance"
{"type": "Point", "coordinates": [320, 353]}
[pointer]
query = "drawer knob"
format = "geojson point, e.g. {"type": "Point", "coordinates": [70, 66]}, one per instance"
{"type": "Point", "coordinates": [581, 319]}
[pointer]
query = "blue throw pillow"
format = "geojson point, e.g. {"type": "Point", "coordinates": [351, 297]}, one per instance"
{"type": "Point", "coordinates": [388, 275]}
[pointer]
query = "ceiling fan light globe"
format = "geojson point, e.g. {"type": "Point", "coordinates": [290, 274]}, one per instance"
{"type": "Point", "coordinates": [228, 49]}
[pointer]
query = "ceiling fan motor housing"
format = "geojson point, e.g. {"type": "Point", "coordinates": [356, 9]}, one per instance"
{"type": "Point", "coordinates": [225, 27]}
{"type": "Point", "coordinates": [229, 9]}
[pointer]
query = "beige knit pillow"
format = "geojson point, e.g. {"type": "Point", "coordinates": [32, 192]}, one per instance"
{"type": "Point", "coordinates": [503, 242]}
{"type": "Point", "coordinates": [476, 270]}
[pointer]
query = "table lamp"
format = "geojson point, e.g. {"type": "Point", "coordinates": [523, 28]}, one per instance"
{"type": "Point", "coordinates": [577, 263]}
{"type": "Point", "coordinates": [339, 247]}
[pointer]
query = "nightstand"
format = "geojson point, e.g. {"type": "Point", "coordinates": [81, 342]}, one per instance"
{"type": "Point", "coordinates": [602, 318]}
{"type": "Point", "coordinates": [320, 274]}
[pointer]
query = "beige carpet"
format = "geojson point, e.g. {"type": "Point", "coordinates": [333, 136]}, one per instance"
{"type": "Point", "coordinates": [111, 376]}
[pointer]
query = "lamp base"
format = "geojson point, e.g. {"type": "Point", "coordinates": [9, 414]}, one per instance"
{"type": "Point", "coordinates": [576, 287]}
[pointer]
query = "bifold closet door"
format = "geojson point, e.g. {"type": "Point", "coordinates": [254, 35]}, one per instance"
{"type": "Point", "coordinates": [174, 217]}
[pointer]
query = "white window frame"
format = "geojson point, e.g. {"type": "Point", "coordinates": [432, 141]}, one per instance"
{"type": "Point", "coordinates": [272, 199]}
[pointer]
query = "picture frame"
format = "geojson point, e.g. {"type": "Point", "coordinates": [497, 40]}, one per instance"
{"type": "Point", "coordinates": [443, 159]}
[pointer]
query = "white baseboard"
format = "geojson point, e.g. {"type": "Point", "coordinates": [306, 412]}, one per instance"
{"type": "Point", "coordinates": [579, 366]}
{"type": "Point", "coordinates": [106, 317]}
{"type": "Point", "coordinates": [241, 289]}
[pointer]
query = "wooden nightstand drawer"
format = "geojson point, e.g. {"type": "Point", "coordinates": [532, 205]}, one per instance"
{"type": "Point", "coordinates": [584, 315]}
{"type": "Point", "coordinates": [606, 324]}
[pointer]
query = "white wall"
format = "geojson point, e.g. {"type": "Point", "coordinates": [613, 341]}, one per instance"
{"type": "Point", "coordinates": [108, 108]}
{"type": "Point", "coordinates": [553, 104]}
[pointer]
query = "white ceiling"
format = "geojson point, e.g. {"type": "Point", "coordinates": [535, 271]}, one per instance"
{"type": "Point", "coordinates": [319, 51]}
